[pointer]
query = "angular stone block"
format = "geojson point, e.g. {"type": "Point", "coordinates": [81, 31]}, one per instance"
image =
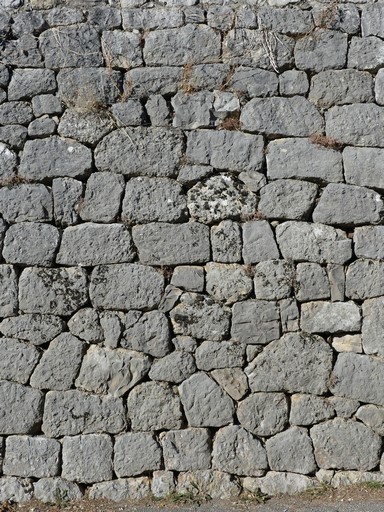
{"type": "Point", "coordinates": [136, 453]}
{"type": "Point", "coordinates": [27, 456]}
{"type": "Point", "coordinates": [21, 409]}
{"type": "Point", "coordinates": [255, 322]}
{"type": "Point", "coordinates": [35, 328]}
{"type": "Point", "coordinates": [291, 451]}
{"type": "Point", "coordinates": [186, 450]}
{"type": "Point", "coordinates": [259, 242]}
{"type": "Point", "coordinates": [219, 354]}
{"type": "Point", "coordinates": [26, 203]}
{"type": "Point", "coordinates": [227, 283]}
{"type": "Point", "coordinates": [8, 291]}
{"type": "Point", "coordinates": [364, 279]}
{"type": "Point", "coordinates": [332, 317]}
{"type": "Point", "coordinates": [263, 414]}
{"type": "Point", "coordinates": [17, 360]}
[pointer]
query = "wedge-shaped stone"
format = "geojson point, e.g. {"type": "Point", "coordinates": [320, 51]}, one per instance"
{"type": "Point", "coordinates": [369, 159]}
{"type": "Point", "coordinates": [291, 451]}
{"type": "Point", "coordinates": [288, 364]}
{"type": "Point", "coordinates": [26, 202]}
{"type": "Point", "coordinates": [174, 367]}
{"type": "Point", "coordinates": [330, 317]}
{"type": "Point", "coordinates": [255, 322]}
{"type": "Point", "coordinates": [259, 242]}
{"type": "Point", "coordinates": [35, 328]}
{"type": "Point", "coordinates": [136, 453]}
{"type": "Point", "coordinates": [287, 199]}
{"type": "Point", "coordinates": [8, 291]}
{"type": "Point", "coordinates": [232, 380]}
{"type": "Point", "coordinates": [8, 161]}
{"type": "Point", "coordinates": [364, 279]}
{"type": "Point", "coordinates": [301, 241]}
{"type": "Point", "coordinates": [186, 450]}
{"type": "Point", "coordinates": [263, 414]}
{"type": "Point", "coordinates": [372, 416]}
{"type": "Point", "coordinates": [21, 409]}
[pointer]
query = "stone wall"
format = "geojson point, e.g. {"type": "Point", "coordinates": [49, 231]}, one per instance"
{"type": "Point", "coordinates": [192, 275]}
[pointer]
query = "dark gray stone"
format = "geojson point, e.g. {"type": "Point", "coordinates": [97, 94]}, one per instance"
{"type": "Point", "coordinates": [259, 242]}
{"type": "Point", "coordinates": [17, 360]}
{"type": "Point", "coordinates": [368, 242]}
{"type": "Point", "coordinates": [254, 82]}
{"type": "Point", "coordinates": [293, 82]}
{"type": "Point", "coordinates": [35, 328]}
{"type": "Point", "coordinates": [15, 112]}
{"type": "Point", "coordinates": [128, 113]}
{"type": "Point", "coordinates": [21, 409]}
{"type": "Point", "coordinates": [40, 128]}
{"type": "Point", "coordinates": [356, 159]}
{"type": "Point", "coordinates": [121, 49]}
{"type": "Point", "coordinates": [103, 194]}
{"type": "Point", "coordinates": [142, 82]}
{"type": "Point", "coordinates": [67, 194]}
{"type": "Point", "coordinates": [46, 104]}
{"type": "Point", "coordinates": [26, 83]}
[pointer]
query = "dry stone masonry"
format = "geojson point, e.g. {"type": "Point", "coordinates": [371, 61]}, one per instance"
{"type": "Point", "coordinates": [192, 247]}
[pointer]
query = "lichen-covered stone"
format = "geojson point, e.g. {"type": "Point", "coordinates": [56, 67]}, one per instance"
{"type": "Point", "coordinates": [226, 242]}
{"type": "Point", "coordinates": [85, 127]}
{"type": "Point", "coordinates": [273, 279]}
{"type": "Point", "coordinates": [17, 489]}
{"type": "Point", "coordinates": [227, 283]}
{"type": "Point", "coordinates": [263, 414]}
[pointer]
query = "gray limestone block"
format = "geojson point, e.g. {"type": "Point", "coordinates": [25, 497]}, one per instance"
{"type": "Point", "coordinates": [26, 202]}
{"type": "Point", "coordinates": [89, 89]}
{"type": "Point", "coordinates": [186, 343]}
{"type": "Point", "coordinates": [348, 343]}
{"type": "Point", "coordinates": [289, 117]}
{"type": "Point", "coordinates": [111, 371]}
{"type": "Point", "coordinates": [255, 322]}
{"type": "Point", "coordinates": [87, 458]}
{"type": "Point", "coordinates": [359, 124]}
{"type": "Point", "coordinates": [288, 364]}
{"type": "Point", "coordinates": [136, 453]}
{"type": "Point", "coordinates": [359, 377]}
{"type": "Point", "coordinates": [142, 82]}
{"type": "Point", "coordinates": [152, 19]}
{"type": "Point", "coordinates": [199, 316]}
{"type": "Point", "coordinates": [189, 278]}
{"type": "Point", "coordinates": [153, 200]}
{"type": "Point", "coordinates": [334, 317]}
{"type": "Point", "coordinates": [275, 482]}
{"type": "Point", "coordinates": [68, 413]}
{"type": "Point", "coordinates": [163, 484]}
{"type": "Point", "coordinates": [192, 110]}
{"type": "Point", "coordinates": [63, 16]}
{"type": "Point", "coordinates": [373, 326]}
{"type": "Point", "coordinates": [122, 489]}
{"type": "Point", "coordinates": [121, 49]}
{"type": "Point", "coordinates": [158, 110]}
{"type": "Point", "coordinates": [22, 52]}
{"type": "Point", "coordinates": [59, 364]}
{"type": "Point", "coordinates": [8, 162]}
{"type": "Point", "coordinates": [85, 127]}
{"type": "Point", "coordinates": [54, 157]}
{"type": "Point", "coordinates": [35, 328]}
{"type": "Point", "coordinates": [339, 87]}
{"type": "Point", "coordinates": [245, 17]}
{"type": "Point", "coordinates": [73, 46]}
{"type": "Point", "coordinates": [13, 135]}
{"type": "Point", "coordinates": [217, 484]}
{"type": "Point", "coordinates": [356, 206]}
{"type": "Point", "coordinates": [302, 159]}
{"type": "Point", "coordinates": [220, 197]}
{"type": "Point", "coordinates": [143, 151]}
{"type": "Point", "coordinates": [15, 489]}
{"type": "Point", "coordinates": [336, 275]}
{"type": "Point", "coordinates": [254, 82]}
{"type": "Point", "coordinates": [181, 46]}
{"type": "Point", "coordinates": [206, 76]}
{"type": "Point", "coordinates": [31, 243]}
{"type": "Point", "coordinates": [366, 53]}
{"type": "Point", "coordinates": [291, 451]}
{"type": "Point", "coordinates": [228, 283]}
{"type": "Point", "coordinates": [293, 82]}
{"type": "Point", "coordinates": [263, 414]}
{"type": "Point", "coordinates": [85, 325]}
{"type": "Point", "coordinates": [15, 112]}
{"type": "Point", "coordinates": [17, 360]}
{"type": "Point", "coordinates": [379, 87]}
{"type": "Point", "coordinates": [311, 282]}
{"type": "Point", "coordinates": [21, 409]}
{"type": "Point", "coordinates": [323, 49]}
{"type": "Point", "coordinates": [292, 21]}
{"type": "Point", "coordinates": [354, 159]}
{"type": "Point", "coordinates": [345, 444]}
{"type": "Point", "coordinates": [225, 149]}
{"type": "Point", "coordinates": [309, 409]}
{"type": "Point", "coordinates": [186, 450]}
{"type": "Point", "coordinates": [26, 83]}
{"type": "Point", "coordinates": [273, 279]}
{"type": "Point", "coordinates": [205, 403]}
{"type": "Point", "coordinates": [372, 416]}
{"type": "Point", "coordinates": [91, 244]}
{"type": "Point", "coordinates": [170, 298]}
{"type": "Point", "coordinates": [190, 243]}
{"type": "Point", "coordinates": [28, 456]}
{"type": "Point", "coordinates": [220, 17]}
{"type": "Point", "coordinates": [344, 407]}
{"type": "Point", "coordinates": [233, 381]}
{"type": "Point", "coordinates": [66, 193]}
{"type": "Point", "coordinates": [102, 200]}
{"type": "Point", "coordinates": [191, 174]}
{"type": "Point", "coordinates": [46, 104]}
{"type": "Point", "coordinates": [154, 406]}
{"type": "Point", "coordinates": [174, 367]}
{"type": "Point", "coordinates": [259, 242]}
{"type": "Point", "coordinates": [226, 242]}
{"type": "Point", "coordinates": [111, 323]}
{"type": "Point", "coordinates": [254, 180]}
{"type": "Point", "coordinates": [40, 128]}
{"type": "Point", "coordinates": [219, 354]}
{"type": "Point", "coordinates": [148, 333]}
{"type": "Point", "coordinates": [364, 279]}
{"type": "Point", "coordinates": [372, 20]}
{"type": "Point", "coordinates": [368, 242]}
{"type": "Point", "coordinates": [52, 490]}
{"type": "Point", "coordinates": [345, 18]}
{"type": "Point", "coordinates": [318, 243]}
{"type": "Point", "coordinates": [238, 452]}
{"type": "Point", "coordinates": [112, 287]}
{"type": "Point", "coordinates": [8, 291]}
{"type": "Point", "coordinates": [5, 75]}
{"type": "Point", "coordinates": [58, 291]}
{"type": "Point", "coordinates": [289, 314]}
{"type": "Point", "coordinates": [30, 22]}
{"type": "Point", "coordinates": [128, 113]}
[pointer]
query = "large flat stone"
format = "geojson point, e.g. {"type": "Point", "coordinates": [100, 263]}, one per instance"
{"type": "Point", "coordinates": [362, 166]}
{"type": "Point", "coordinates": [364, 279]}
{"type": "Point", "coordinates": [21, 409]}
{"type": "Point", "coordinates": [332, 317]}
{"type": "Point", "coordinates": [28, 456]}
{"type": "Point", "coordinates": [255, 322]}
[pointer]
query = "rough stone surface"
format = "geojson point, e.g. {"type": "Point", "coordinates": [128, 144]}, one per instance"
{"type": "Point", "coordinates": [216, 484]}
{"type": "Point", "coordinates": [227, 283]}
{"type": "Point", "coordinates": [15, 398]}
{"type": "Point", "coordinates": [35, 328]}
{"type": "Point", "coordinates": [263, 414]}
{"type": "Point", "coordinates": [136, 453]}
{"type": "Point", "coordinates": [28, 456]}
{"type": "Point", "coordinates": [373, 325]}
{"type": "Point", "coordinates": [255, 322]}
{"type": "Point", "coordinates": [368, 242]}
{"type": "Point", "coordinates": [17, 360]}
{"type": "Point", "coordinates": [47, 490]}
{"type": "Point", "coordinates": [26, 203]}
{"type": "Point", "coordinates": [66, 193]}
{"type": "Point", "coordinates": [324, 49]}
{"type": "Point", "coordinates": [287, 199]}
{"type": "Point", "coordinates": [279, 483]}
{"type": "Point", "coordinates": [219, 354]}
{"type": "Point", "coordinates": [148, 333]}
{"type": "Point", "coordinates": [186, 450]}
{"type": "Point", "coordinates": [330, 317]}
{"type": "Point", "coordinates": [13, 488]}
{"type": "Point", "coordinates": [291, 451]}
{"type": "Point", "coordinates": [232, 380]}
{"type": "Point", "coordinates": [85, 325]}
{"type": "Point", "coordinates": [372, 416]}
{"type": "Point", "coordinates": [122, 489]}
{"type": "Point", "coordinates": [273, 279]}
{"type": "Point", "coordinates": [226, 242]}
{"type": "Point", "coordinates": [8, 291]}
{"type": "Point", "coordinates": [258, 242]}
{"type": "Point", "coordinates": [309, 409]}
{"type": "Point", "coordinates": [175, 367]}
{"type": "Point", "coordinates": [364, 279]}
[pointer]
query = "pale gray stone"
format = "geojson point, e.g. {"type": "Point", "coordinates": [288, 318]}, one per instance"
{"type": "Point", "coordinates": [189, 278]}
{"type": "Point", "coordinates": [52, 490]}
{"type": "Point", "coordinates": [28, 456]}
{"type": "Point", "coordinates": [13, 135]}
{"type": "Point", "coordinates": [124, 286]}
{"type": "Point", "coordinates": [255, 322]}
{"type": "Point", "coordinates": [292, 21]}
{"type": "Point", "coordinates": [287, 199]}
{"type": "Point", "coordinates": [58, 291]}
{"type": "Point", "coordinates": [345, 444]}
{"type": "Point", "coordinates": [290, 117]}
{"type": "Point", "coordinates": [158, 110]}
{"type": "Point", "coordinates": [35, 328]}
{"type": "Point", "coordinates": [91, 244]}
{"type": "Point", "coordinates": [67, 194]}
{"type": "Point", "coordinates": [84, 126]}
{"type": "Point", "coordinates": [259, 242]}
{"type": "Point", "coordinates": [379, 87]}
{"type": "Point", "coordinates": [154, 406]}
{"type": "Point", "coordinates": [186, 343]}
{"type": "Point", "coordinates": [192, 110]}
{"type": "Point", "coordinates": [288, 365]}
{"type": "Point", "coordinates": [191, 174]}
{"type": "Point", "coordinates": [364, 279]}
{"type": "Point", "coordinates": [232, 380]}
{"type": "Point", "coordinates": [205, 403]}
{"type": "Point", "coordinates": [346, 478]}
{"type": "Point", "coordinates": [336, 276]}
{"type": "Point", "coordinates": [356, 159]}
{"type": "Point", "coordinates": [225, 104]}
{"type": "Point", "coordinates": [279, 483]}
{"type": "Point", "coordinates": [175, 367]}
{"type": "Point", "coordinates": [31, 243]}
{"type": "Point", "coordinates": [26, 202]}
{"type": "Point", "coordinates": [293, 82]}
{"type": "Point", "coordinates": [8, 291]}
{"type": "Point", "coordinates": [373, 326]}
{"type": "Point", "coordinates": [291, 451]}
{"type": "Point", "coordinates": [26, 83]}
{"type": "Point", "coordinates": [163, 484]}
{"type": "Point", "coordinates": [17, 360]}
{"type": "Point", "coordinates": [85, 324]}
{"type": "Point", "coordinates": [254, 180]}
{"type": "Point", "coordinates": [348, 343]}
{"type": "Point", "coordinates": [59, 364]}
{"type": "Point", "coordinates": [153, 200]}
{"type": "Point", "coordinates": [289, 314]}
{"type": "Point", "coordinates": [238, 452]}
{"type": "Point", "coordinates": [21, 409]}
{"type": "Point", "coordinates": [372, 416]}
{"type": "Point", "coordinates": [372, 20]}
{"type": "Point", "coordinates": [200, 317]}
{"type": "Point", "coordinates": [219, 354]}
{"type": "Point", "coordinates": [302, 159]}
{"type": "Point", "coordinates": [102, 198]}
{"type": "Point", "coordinates": [331, 317]}
{"type": "Point", "coordinates": [152, 19]}
{"type": "Point", "coordinates": [111, 323]}
{"type": "Point", "coordinates": [205, 76]}
{"type": "Point", "coordinates": [122, 489]}
{"type": "Point", "coordinates": [170, 298]}
{"type": "Point", "coordinates": [136, 453]}
{"type": "Point", "coordinates": [68, 413]}
{"type": "Point", "coordinates": [263, 414]}
{"type": "Point", "coordinates": [344, 407]}
{"type": "Point", "coordinates": [8, 162]}
{"type": "Point", "coordinates": [216, 484]}
{"type": "Point", "coordinates": [301, 241]}
{"type": "Point", "coordinates": [112, 372]}
{"type": "Point", "coordinates": [228, 283]}
{"type": "Point", "coordinates": [121, 49]}
{"type": "Point", "coordinates": [311, 282]}
{"type": "Point", "coordinates": [309, 409]}
{"type": "Point", "coordinates": [226, 242]}
{"type": "Point", "coordinates": [321, 50]}
{"type": "Point", "coordinates": [148, 332]}
{"type": "Point", "coordinates": [87, 459]}
{"type": "Point", "coordinates": [220, 17]}
{"type": "Point", "coordinates": [186, 450]}
{"type": "Point", "coordinates": [273, 279]}
{"type": "Point", "coordinates": [15, 489]}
